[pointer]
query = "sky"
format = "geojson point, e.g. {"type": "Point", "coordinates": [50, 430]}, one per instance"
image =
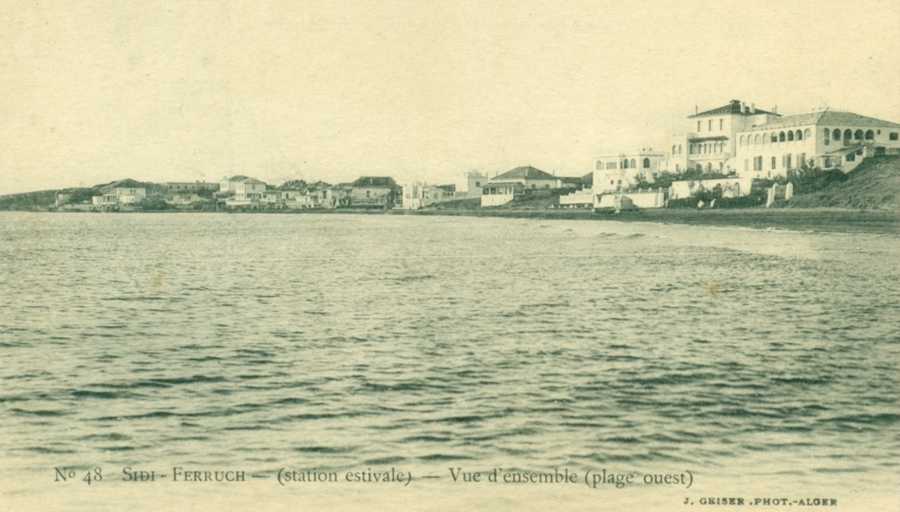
{"type": "Point", "coordinates": [94, 91]}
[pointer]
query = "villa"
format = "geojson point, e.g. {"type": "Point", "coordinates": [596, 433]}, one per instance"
{"type": "Point", "coordinates": [505, 187]}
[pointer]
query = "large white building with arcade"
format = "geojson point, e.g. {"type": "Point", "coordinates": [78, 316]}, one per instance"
{"type": "Point", "coordinates": [741, 140]}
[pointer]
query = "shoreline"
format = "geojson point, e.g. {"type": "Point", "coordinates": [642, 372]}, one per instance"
{"type": "Point", "coordinates": [831, 220]}
{"type": "Point", "coordinates": [794, 219]}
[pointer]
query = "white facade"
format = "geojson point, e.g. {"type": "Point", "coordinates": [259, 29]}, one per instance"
{"type": "Point", "coordinates": [707, 141]}
{"type": "Point", "coordinates": [622, 171]}
{"type": "Point", "coordinates": [827, 139]}
{"type": "Point", "coordinates": [420, 195]}
{"type": "Point", "coordinates": [243, 191]}
{"type": "Point", "coordinates": [731, 187]}
{"type": "Point", "coordinates": [500, 193]}
{"type": "Point", "coordinates": [474, 181]}
{"type": "Point", "coordinates": [626, 200]}
{"type": "Point", "coordinates": [577, 198]}
{"type": "Point", "coordinates": [129, 195]}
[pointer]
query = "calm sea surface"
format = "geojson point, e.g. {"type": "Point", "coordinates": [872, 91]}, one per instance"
{"type": "Point", "coordinates": [350, 341]}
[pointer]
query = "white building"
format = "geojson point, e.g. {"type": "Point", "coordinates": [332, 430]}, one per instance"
{"type": "Point", "coordinates": [474, 182]}
{"type": "Point", "coordinates": [242, 191]}
{"type": "Point", "coordinates": [129, 195]}
{"type": "Point", "coordinates": [420, 195]}
{"type": "Point", "coordinates": [503, 188]}
{"type": "Point", "coordinates": [827, 139]}
{"type": "Point", "coordinates": [622, 171]}
{"type": "Point", "coordinates": [119, 196]}
{"type": "Point", "coordinates": [707, 141]}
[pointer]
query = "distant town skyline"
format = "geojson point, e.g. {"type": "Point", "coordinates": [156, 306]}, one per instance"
{"type": "Point", "coordinates": [99, 91]}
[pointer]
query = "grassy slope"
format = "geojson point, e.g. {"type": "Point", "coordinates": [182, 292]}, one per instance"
{"type": "Point", "coordinates": [874, 184]}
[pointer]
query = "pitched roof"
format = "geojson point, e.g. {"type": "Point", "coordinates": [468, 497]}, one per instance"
{"type": "Point", "coordinates": [834, 118]}
{"type": "Point", "coordinates": [527, 172]}
{"type": "Point", "coordinates": [732, 107]}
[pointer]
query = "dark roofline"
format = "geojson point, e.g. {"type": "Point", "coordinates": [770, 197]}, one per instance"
{"type": "Point", "coordinates": [733, 107]}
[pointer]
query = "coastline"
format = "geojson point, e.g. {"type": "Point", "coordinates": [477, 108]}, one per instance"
{"type": "Point", "coordinates": [831, 220]}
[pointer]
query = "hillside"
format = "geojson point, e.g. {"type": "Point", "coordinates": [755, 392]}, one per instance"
{"type": "Point", "coordinates": [874, 184]}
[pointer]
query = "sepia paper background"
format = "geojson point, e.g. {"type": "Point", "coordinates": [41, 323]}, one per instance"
{"type": "Point", "coordinates": [95, 91]}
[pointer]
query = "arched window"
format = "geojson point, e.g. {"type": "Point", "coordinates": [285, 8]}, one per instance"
{"type": "Point", "coordinates": [741, 141]}
{"type": "Point", "coordinates": [708, 167]}
{"type": "Point", "coordinates": [781, 137]}
{"type": "Point", "coordinates": [807, 133]}
{"type": "Point", "coordinates": [827, 134]}
{"type": "Point", "coordinates": [756, 139]}
{"type": "Point", "coordinates": [633, 164]}
{"type": "Point", "coordinates": [673, 149]}
{"type": "Point", "coordinates": [798, 135]}
{"type": "Point", "coordinates": [790, 136]}
{"type": "Point", "coordinates": [774, 162]}
{"type": "Point", "coordinates": [774, 138]}
{"type": "Point", "coordinates": [646, 163]}
{"type": "Point", "coordinates": [847, 135]}
{"type": "Point", "coordinates": [858, 135]}
{"type": "Point", "coordinates": [625, 164]}
{"type": "Point", "coordinates": [870, 135]}
{"type": "Point", "coordinates": [836, 134]}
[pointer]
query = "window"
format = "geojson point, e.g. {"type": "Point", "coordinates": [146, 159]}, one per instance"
{"type": "Point", "coordinates": [773, 162]}
{"type": "Point", "coordinates": [646, 163]}
{"type": "Point", "coordinates": [781, 137]}
{"type": "Point", "coordinates": [870, 135]}
{"type": "Point", "coordinates": [709, 125]}
{"type": "Point", "coordinates": [698, 126]}
{"type": "Point", "coordinates": [721, 124]}
{"type": "Point", "coordinates": [893, 136]}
